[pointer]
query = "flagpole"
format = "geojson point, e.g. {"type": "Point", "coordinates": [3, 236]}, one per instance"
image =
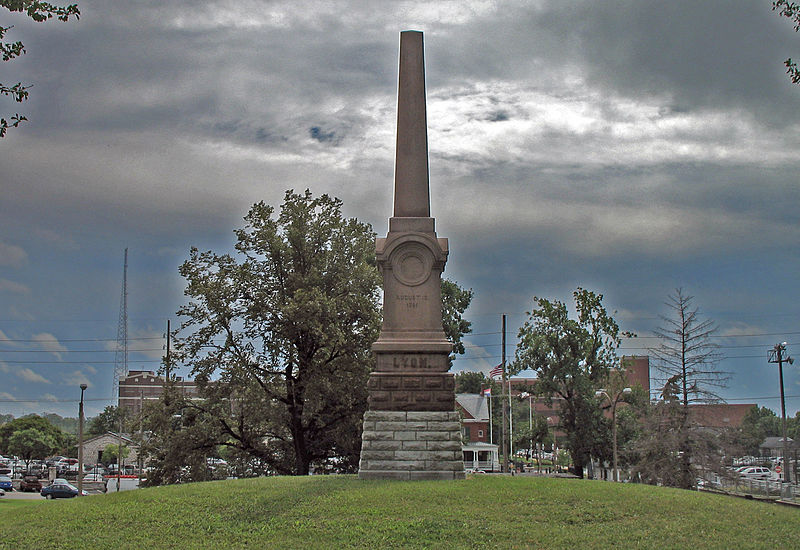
{"type": "Point", "coordinates": [503, 402]}
{"type": "Point", "coordinates": [491, 439]}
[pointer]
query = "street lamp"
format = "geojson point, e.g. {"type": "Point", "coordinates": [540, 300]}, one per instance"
{"type": "Point", "coordinates": [80, 442]}
{"type": "Point", "coordinates": [776, 356]}
{"type": "Point", "coordinates": [614, 401]}
{"type": "Point", "coordinates": [553, 421]}
{"type": "Point", "coordinates": [527, 395]}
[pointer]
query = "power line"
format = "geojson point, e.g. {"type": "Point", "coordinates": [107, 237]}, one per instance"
{"type": "Point", "coordinates": [721, 335]}
{"type": "Point", "coordinates": [43, 340]}
{"type": "Point", "coordinates": [76, 362]}
{"type": "Point", "coordinates": [74, 350]}
{"type": "Point", "coordinates": [53, 400]}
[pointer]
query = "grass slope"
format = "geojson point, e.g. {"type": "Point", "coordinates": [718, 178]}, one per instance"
{"type": "Point", "coordinates": [343, 512]}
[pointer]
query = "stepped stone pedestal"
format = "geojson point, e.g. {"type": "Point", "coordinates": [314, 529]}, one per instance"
{"type": "Point", "coordinates": [411, 445]}
{"type": "Point", "coordinates": [411, 430]}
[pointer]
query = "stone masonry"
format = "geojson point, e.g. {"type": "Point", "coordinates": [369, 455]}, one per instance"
{"type": "Point", "coordinates": [411, 445]}
{"type": "Point", "coordinates": [411, 430]}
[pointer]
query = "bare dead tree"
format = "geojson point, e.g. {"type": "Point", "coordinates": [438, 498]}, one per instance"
{"type": "Point", "coordinates": [686, 353]}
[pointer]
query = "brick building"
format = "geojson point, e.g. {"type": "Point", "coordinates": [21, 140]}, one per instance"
{"type": "Point", "coordinates": [474, 408]}
{"type": "Point", "coordinates": [719, 415]}
{"type": "Point", "coordinates": [140, 386]}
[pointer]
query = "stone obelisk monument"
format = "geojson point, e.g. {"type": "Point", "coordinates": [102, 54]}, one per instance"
{"type": "Point", "coordinates": [411, 430]}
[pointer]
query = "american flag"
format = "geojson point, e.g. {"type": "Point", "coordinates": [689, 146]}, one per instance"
{"type": "Point", "coordinates": [487, 392]}
{"type": "Point", "coordinates": [497, 371]}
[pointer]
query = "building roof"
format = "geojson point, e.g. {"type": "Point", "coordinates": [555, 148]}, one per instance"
{"type": "Point", "coordinates": [721, 415]}
{"type": "Point", "coordinates": [777, 443]}
{"type": "Point", "coordinates": [478, 446]}
{"type": "Point", "coordinates": [475, 405]}
{"type": "Point", "coordinates": [115, 435]}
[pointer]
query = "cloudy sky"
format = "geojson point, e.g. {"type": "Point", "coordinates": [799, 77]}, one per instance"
{"type": "Point", "coordinates": [627, 147]}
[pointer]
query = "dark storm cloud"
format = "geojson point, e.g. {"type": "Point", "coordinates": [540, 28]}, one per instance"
{"type": "Point", "coordinates": [628, 147]}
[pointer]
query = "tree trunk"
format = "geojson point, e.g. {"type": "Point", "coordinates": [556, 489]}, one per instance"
{"type": "Point", "coordinates": [577, 464]}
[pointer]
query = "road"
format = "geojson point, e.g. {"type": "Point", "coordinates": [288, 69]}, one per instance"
{"type": "Point", "coordinates": [18, 495]}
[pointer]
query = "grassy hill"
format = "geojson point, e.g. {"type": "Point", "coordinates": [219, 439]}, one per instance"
{"type": "Point", "coordinates": [343, 512]}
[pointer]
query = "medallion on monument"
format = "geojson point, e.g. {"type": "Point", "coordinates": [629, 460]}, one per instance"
{"type": "Point", "coordinates": [412, 263]}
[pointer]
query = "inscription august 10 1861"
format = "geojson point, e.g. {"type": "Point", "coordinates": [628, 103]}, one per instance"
{"type": "Point", "coordinates": [411, 301]}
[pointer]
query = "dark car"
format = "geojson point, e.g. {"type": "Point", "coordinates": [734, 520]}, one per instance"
{"type": "Point", "coordinates": [30, 483]}
{"type": "Point", "coordinates": [5, 483]}
{"type": "Point", "coordinates": [60, 490]}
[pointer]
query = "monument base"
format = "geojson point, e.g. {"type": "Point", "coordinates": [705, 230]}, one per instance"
{"type": "Point", "coordinates": [411, 445]}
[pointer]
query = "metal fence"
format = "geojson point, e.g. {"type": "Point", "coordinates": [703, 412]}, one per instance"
{"type": "Point", "coordinates": [758, 488]}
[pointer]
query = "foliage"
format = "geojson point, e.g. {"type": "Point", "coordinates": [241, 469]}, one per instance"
{"type": "Point", "coordinates": [279, 336]}
{"type": "Point", "coordinates": [758, 424]}
{"type": "Point", "coordinates": [342, 512]}
{"type": "Point", "coordinates": [657, 456]}
{"type": "Point", "coordinates": [39, 12]}
{"type": "Point", "coordinates": [109, 421]}
{"type": "Point", "coordinates": [32, 443]}
{"type": "Point", "coordinates": [531, 432]}
{"type": "Point", "coordinates": [791, 11]}
{"type": "Point", "coordinates": [180, 437]}
{"type": "Point", "coordinates": [34, 422]}
{"type": "Point", "coordinates": [66, 424]}
{"type": "Point", "coordinates": [686, 351]}
{"type": "Point", "coordinates": [455, 301]}
{"type": "Point", "coordinates": [112, 451]}
{"type": "Point", "coordinates": [572, 357]}
{"type": "Point", "coordinates": [470, 382]}
{"type": "Point", "coordinates": [288, 327]}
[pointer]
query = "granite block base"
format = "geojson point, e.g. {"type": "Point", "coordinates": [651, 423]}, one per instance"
{"type": "Point", "coordinates": [411, 445]}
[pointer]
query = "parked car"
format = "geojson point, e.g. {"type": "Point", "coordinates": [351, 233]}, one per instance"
{"type": "Point", "coordinates": [60, 490]}
{"type": "Point", "coordinates": [30, 483]}
{"type": "Point", "coordinates": [5, 483]}
{"type": "Point", "coordinates": [756, 472]}
{"type": "Point", "coordinates": [94, 476]}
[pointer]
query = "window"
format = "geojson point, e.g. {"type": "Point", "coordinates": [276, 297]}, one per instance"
{"type": "Point", "coordinates": [480, 433]}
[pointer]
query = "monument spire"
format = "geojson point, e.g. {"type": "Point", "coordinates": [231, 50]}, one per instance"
{"type": "Point", "coordinates": [411, 194]}
{"type": "Point", "coordinates": [411, 430]}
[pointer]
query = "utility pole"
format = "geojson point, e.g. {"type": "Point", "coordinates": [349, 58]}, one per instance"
{"type": "Point", "coordinates": [503, 433]}
{"type": "Point", "coordinates": [776, 356]}
{"type": "Point", "coordinates": [119, 448]}
{"type": "Point", "coordinates": [139, 458]}
{"type": "Point", "coordinates": [166, 359]}
{"type": "Point", "coordinates": [80, 442]}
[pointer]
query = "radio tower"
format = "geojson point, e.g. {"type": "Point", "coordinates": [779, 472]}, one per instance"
{"type": "Point", "coordinates": [121, 356]}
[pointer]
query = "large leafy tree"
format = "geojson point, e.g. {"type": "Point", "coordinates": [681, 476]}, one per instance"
{"type": "Point", "coordinates": [572, 358]}
{"type": "Point", "coordinates": [110, 420]}
{"type": "Point", "coordinates": [279, 337]}
{"type": "Point", "coordinates": [285, 328]}
{"type": "Point", "coordinates": [32, 443]}
{"type": "Point", "coordinates": [31, 422]}
{"type": "Point", "coordinates": [790, 10]}
{"type": "Point", "coordinates": [758, 424]}
{"type": "Point", "coordinates": [687, 352]}
{"type": "Point", "coordinates": [39, 12]}
{"type": "Point", "coordinates": [470, 382]}
{"type": "Point", "coordinates": [180, 436]}
{"type": "Point", "coordinates": [455, 301]}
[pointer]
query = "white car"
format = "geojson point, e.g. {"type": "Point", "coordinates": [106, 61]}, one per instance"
{"type": "Point", "coordinates": [93, 477]}
{"type": "Point", "coordinates": [756, 472]}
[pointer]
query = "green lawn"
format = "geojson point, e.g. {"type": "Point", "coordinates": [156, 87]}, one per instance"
{"type": "Point", "coordinates": [343, 512]}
